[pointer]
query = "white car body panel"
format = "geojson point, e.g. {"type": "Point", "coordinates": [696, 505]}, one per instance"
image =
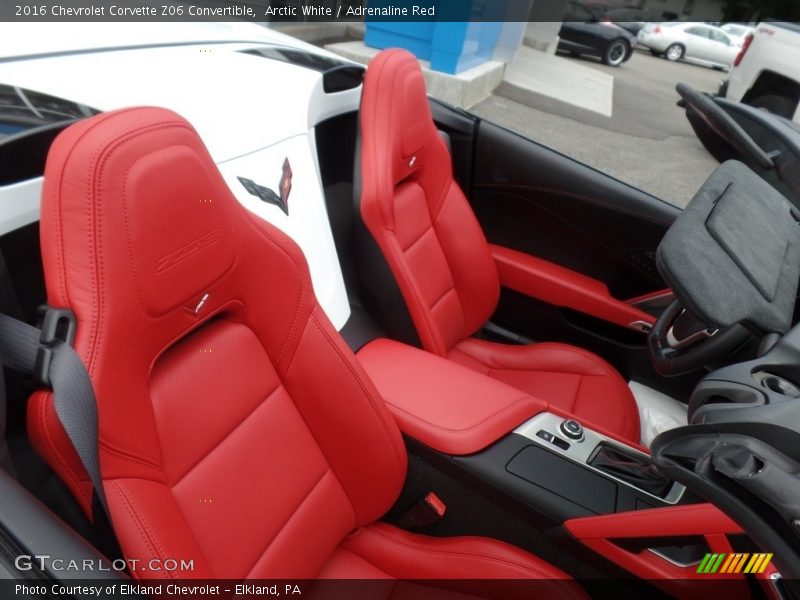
{"type": "Point", "coordinates": [697, 49]}
{"type": "Point", "coordinates": [737, 33]}
{"type": "Point", "coordinates": [252, 113]}
{"type": "Point", "coordinates": [307, 221]}
{"type": "Point", "coordinates": [775, 49]}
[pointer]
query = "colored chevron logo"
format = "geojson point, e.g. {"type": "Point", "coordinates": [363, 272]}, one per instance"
{"type": "Point", "coordinates": [734, 563]}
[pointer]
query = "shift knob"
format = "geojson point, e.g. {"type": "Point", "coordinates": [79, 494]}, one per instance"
{"type": "Point", "coordinates": [572, 429]}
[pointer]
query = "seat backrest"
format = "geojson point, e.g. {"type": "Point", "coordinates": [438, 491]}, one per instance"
{"type": "Point", "coordinates": [236, 428]}
{"type": "Point", "coordinates": [415, 210]}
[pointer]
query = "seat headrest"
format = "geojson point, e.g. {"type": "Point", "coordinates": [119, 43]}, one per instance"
{"type": "Point", "coordinates": [135, 218]}
{"type": "Point", "coordinates": [394, 79]}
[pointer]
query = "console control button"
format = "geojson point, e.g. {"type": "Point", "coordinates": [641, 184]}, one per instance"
{"type": "Point", "coordinates": [545, 435]}
{"type": "Point", "coordinates": [572, 429]}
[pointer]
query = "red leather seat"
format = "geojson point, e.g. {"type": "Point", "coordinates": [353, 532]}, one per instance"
{"type": "Point", "coordinates": [236, 428]}
{"type": "Point", "coordinates": [437, 253]}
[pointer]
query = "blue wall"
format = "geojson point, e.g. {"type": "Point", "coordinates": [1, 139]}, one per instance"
{"type": "Point", "coordinates": [451, 46]}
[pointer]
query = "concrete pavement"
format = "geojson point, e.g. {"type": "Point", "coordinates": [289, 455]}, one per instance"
{"type": "Point", "coordinates": [560, 79]}
{"type": "Point", "coordinates": [647, 142]}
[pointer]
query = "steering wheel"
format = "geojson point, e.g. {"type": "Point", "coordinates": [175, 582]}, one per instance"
{"type": "Point", "coordinates": [680, 343]}
{"type": "Point", "coordinates": [724, 125]}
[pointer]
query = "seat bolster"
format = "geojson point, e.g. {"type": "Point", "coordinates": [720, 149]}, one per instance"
{"type": "Point", "coordinates": [150, 526]}
{"type": "Point", "coordinates": [386, 551]}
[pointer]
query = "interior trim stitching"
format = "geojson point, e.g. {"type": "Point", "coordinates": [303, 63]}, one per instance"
{"type": "Point", "coordinates": [213, 448]}
{"type": "Point", "coordinates": [144, 530]}
{"type": "Point", "coordinates": [485, 420]}
{"type": "Point", "coordinates": [365, 392]}
{"type": "Point", "coordinates": [301, 296]}
{"type": "Point", "coordinates": [300, 504]}
{"type": "Point", "coordinates": [418, 239]}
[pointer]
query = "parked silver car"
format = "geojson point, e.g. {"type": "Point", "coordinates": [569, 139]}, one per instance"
{"type": "Point", "coordinates": [695, 42]}
{"type": "Point", "coordinates": [737, 32]}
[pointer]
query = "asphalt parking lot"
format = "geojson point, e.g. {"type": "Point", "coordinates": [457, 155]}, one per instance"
{"type": "Point", "coordinates": [647, 142]}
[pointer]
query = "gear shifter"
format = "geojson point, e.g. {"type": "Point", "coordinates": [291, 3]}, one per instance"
{"type": "Point", "coordinates": [634, 470]}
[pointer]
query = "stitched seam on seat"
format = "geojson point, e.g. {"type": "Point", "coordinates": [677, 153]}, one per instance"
{"type": "Point", "coordinates": [577, 395]}
{"type": "Point", "coordinates": [62, 269]}
{"type": "Point", "coordinates": [545, 371]}
{"type": "Point", "coordinates": [442, 297]}
{"type": "Point", "coordinates": [452, 279]}
{"type": "Point", "coordinates": [301, 295]}
{"type": "Point", "coordinates": [238, 425]}
{"type": "Point", "coordinates": [435, 211]}
{"type": "Point", "coordinates": [144, 530]}
{"type": "Point", "coordinates": [316, 441]}
{"type": "Point", "coordinates": [416, 241]}
{"type": "Point", "coordinates": [114, 449]}
{"type": "Point", "coordinates": [367, 395]}
{"type": "Point", "coordinates": [471, 427]}
{"type": "Point", "coordinates": [486, 370]}
{"type": "Point", "coordinates": [589, 357]}
{"type": "Point", "coordinates": [399, 264]}
{"type": "Point", "coordinates": [288, 520]}
{"type": "Point", "coordinates": [483, 557]}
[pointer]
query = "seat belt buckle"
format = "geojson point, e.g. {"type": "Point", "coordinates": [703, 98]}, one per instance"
{"type": "Point", "coordinates": [424, 513]}
{"type": "Point", "coordinates": [57, 325]}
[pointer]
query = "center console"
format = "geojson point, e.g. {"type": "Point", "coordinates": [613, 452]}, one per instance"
{"type": "Point", "coordinates": [555, 466]}
{"type": "Point", "coordinates": [563, 470]}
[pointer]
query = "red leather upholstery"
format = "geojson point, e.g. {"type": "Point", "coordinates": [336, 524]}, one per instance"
{"type": "Point", "coordinates": [569, 378]}
{"type": "Point", "coordinates": [236, 428]}
{"type": "Point", "coordinates": [380, 551]}
{"type": "Point", "coordinates": [444, 267]}
{"type": "Point", "coordinates": [560, 286]}
{"type": "Point", "coordinates": [441, 404]}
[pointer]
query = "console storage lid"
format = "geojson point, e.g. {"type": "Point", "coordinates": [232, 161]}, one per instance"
{"type": "Point", "coordinates": [445, 406]}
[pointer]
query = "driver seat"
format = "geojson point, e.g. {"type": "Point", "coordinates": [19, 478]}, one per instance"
{"type": "Point", "coordinates": [427, 233]}
{"type": "Point", "coordinates": [236, 429]}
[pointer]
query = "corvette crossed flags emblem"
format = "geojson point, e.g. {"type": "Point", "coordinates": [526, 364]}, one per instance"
{"type": "Point", "coordinates": [267, 195]}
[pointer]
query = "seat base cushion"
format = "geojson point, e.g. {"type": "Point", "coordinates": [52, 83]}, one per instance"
{"type": "Point", "coordinates": [381, 551]}
{"type": "Point", "coordinates": [567, 377]}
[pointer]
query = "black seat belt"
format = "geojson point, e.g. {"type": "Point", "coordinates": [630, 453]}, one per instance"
{"type": "Point", "coordinates": [47, 354]}
{"type": "Point", "coordinates": [5, 455]}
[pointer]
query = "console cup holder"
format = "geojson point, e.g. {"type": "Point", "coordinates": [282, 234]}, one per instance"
{"type": "Point", "coordinates": [777, 384]}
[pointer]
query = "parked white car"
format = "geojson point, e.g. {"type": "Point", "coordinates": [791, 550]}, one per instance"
{"type": "Point", "coordinates": [766, 74]}
{"type": "Point", "coordinates": [695, 42]}
{"type": "Point", "coordinates": [737, 32]}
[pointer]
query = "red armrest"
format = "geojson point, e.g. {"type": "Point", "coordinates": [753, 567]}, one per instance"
{"type": "Point", "coordinates": [563, 287]}
{"type": "Point", "coordinates": [686, 520]}
{"type": "Point", "coordinates": [443, 405]}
